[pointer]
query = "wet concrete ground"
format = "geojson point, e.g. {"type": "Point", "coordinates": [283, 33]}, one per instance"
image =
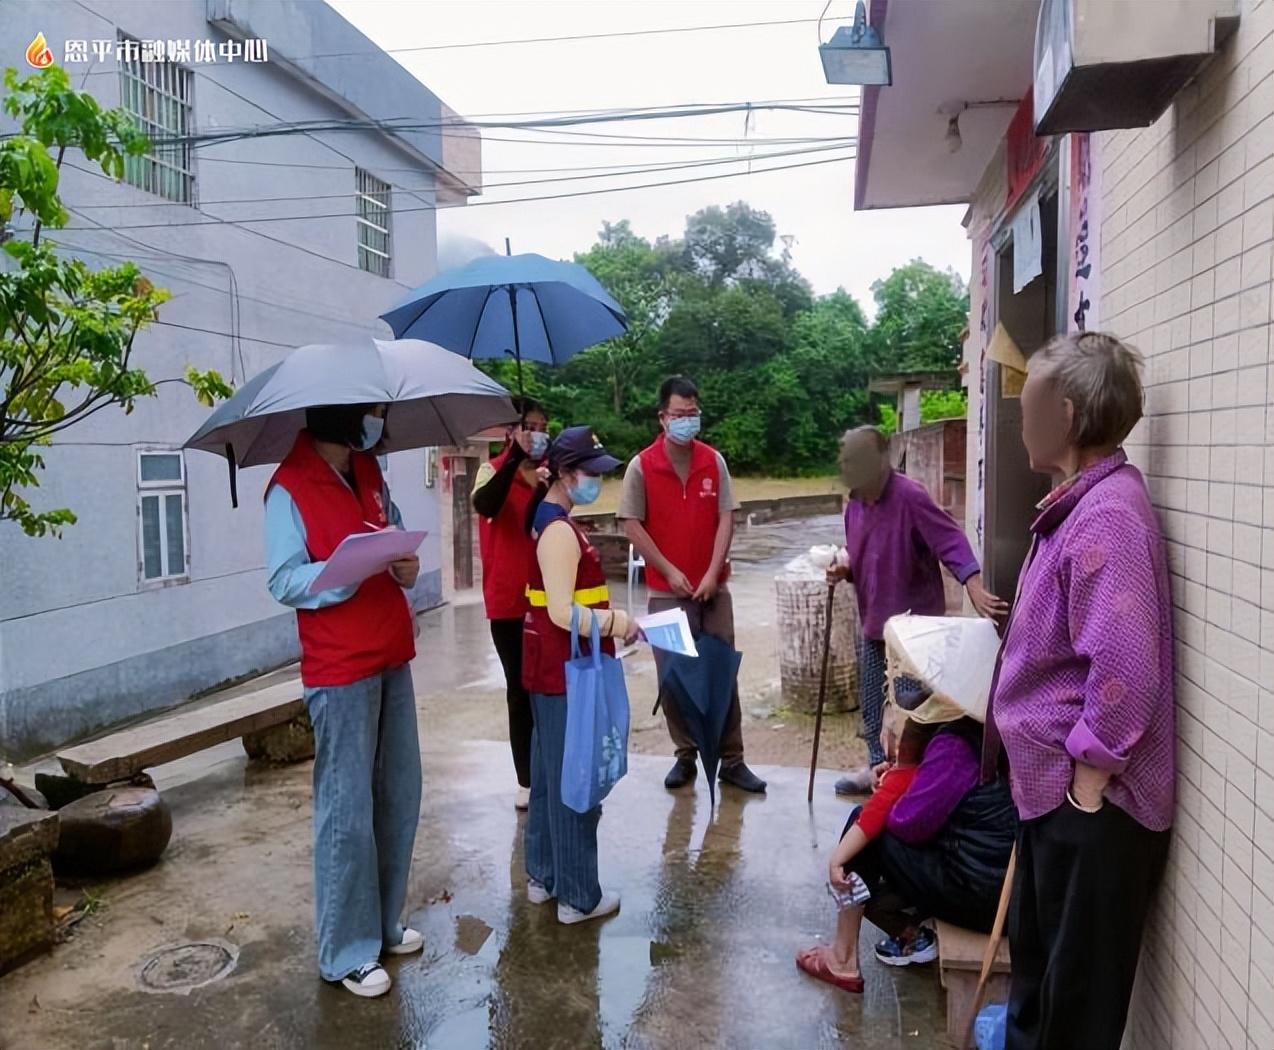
{"type": "Point", "coordinates": [701, 955]}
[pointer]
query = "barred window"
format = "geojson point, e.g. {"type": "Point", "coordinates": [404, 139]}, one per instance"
{"type": "Point", "coordinates": [373, 202]}
{"type": "Point", "coordinates": [159, 97]}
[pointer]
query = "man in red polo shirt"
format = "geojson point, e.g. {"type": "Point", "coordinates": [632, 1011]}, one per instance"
{"type": "Point", "coordinates": [502, 495]}
{"type": "Point", "coordinates": [678, 511]}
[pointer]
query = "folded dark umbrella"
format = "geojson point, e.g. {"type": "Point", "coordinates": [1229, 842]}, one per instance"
{"type": "Point", "coordinates": [702, 688]}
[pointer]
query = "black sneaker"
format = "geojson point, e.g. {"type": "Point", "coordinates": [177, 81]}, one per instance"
{"type": "Point", "coordinates": [738, 775]}
{"type": "Point", "coordinates": [923, 948]}
{"type": "Point", "coordinates": [682, 773]}
{"type": "Point", "coordinates": [368, 981]}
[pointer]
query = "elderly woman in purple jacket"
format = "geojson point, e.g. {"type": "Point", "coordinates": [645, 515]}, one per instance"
{"type": "Point", "coordinates": [1083, 703]}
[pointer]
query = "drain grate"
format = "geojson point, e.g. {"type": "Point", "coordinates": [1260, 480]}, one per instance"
{"type": "Point", "coordinates": [181, 967]}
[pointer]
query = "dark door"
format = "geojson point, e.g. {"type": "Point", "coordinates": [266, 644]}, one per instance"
{"type": "Point", "coordinates": [463, 471]}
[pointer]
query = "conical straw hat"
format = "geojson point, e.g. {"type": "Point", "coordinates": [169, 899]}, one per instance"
{"type": "Point", "coordinates": [953, 656]}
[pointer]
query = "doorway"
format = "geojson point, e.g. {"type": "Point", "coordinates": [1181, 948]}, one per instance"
{"type": "Point", "coordinates": [1013, 489]}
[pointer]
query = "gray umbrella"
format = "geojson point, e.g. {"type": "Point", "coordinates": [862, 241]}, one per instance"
{"type": "Point", "coordinates": [436, 398]}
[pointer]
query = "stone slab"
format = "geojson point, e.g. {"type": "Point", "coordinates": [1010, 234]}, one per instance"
{"type": "Point", "coordinates": [121, 755]}
{"type": "Point", "coordinates": [290, 742]}
{"type": "Point", "coordinates": [26, 835]}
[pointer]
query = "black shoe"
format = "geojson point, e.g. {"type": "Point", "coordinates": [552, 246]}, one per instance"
{"type": "Point", "coordinates": [682, 773]}
{"type": "Point", "coordinates": [738, 775]}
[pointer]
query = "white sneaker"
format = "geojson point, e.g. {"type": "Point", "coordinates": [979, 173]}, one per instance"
{"type": "Point", "coordinates": [368, 981]}
{"type": "Point", "coordinates": [608, 905]}
{"type": "Point", "coordinates": [537, 892]}
{"type": "Point", "coordinates": [412, 942]}
{"type": "Point", "coordinates": [522, 800]}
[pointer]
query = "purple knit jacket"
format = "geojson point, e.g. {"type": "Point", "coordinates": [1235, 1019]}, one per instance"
{"type": "Point", "coordinates": [1086, 671]}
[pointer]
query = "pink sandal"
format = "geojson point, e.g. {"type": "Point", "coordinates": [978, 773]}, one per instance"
{"type": "Point", "coordinates": [812, 961]}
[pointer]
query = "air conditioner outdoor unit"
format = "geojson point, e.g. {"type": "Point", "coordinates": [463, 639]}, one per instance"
{"type": "Point", "coordinates": [1102, 64]}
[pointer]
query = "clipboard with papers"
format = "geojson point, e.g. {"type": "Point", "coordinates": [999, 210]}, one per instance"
{"type": "Point", "coordinates": [362, 555]}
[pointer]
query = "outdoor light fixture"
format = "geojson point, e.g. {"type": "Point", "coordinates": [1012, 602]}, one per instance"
{"type": "Point", "coordinates": [855, 54]}
{"type": "Point", "coordinates": [952, 137]}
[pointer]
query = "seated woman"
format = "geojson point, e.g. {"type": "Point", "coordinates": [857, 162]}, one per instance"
{"type": "Point", "coordinates": [942, 855]}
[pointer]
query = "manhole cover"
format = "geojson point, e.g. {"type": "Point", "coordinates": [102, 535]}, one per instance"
{"type": "Point", "coordinates": [181, 967]}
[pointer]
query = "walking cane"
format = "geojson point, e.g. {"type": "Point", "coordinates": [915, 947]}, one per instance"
{"type": "Point", "coordinates": [822, 686]}
{"type": "Point", "coordinates": [992, 947]}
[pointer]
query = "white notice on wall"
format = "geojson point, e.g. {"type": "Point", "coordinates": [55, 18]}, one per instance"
{"type": "Point", "coordinates": [1028, 244]}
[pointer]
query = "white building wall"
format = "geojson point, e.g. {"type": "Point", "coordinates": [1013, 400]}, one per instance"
{"type": "Point", "coordinates": [83, 643]}
{"type": "Point", "coordinates": [1186, 244]}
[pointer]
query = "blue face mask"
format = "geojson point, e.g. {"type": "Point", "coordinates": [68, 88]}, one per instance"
{"type": "Point", "coordinates": [586, 489]}
{"type": "Point", "coordinates": [539, 445]}
{"type": "Point", "coordinates": [373, 431]}
{"type": "Point", "coordinates": [683, 429]}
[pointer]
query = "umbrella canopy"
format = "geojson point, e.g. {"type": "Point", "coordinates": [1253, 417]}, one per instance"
{"type": "Point", "coordinates": [436, 399]}
{"type": "Point", "coordinates": [525, 306]}
{"type": "Point", "coordinates": [703, 687]}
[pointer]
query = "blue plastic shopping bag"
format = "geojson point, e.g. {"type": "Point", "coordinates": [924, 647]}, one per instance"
{"type": "Point", "coordinates": [990, 1030]}
{"type": "Point", "coordinates": [596, 751]}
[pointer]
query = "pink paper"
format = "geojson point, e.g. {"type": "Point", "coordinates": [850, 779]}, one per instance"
{"type": "Point", "coordinates": [364, 554]}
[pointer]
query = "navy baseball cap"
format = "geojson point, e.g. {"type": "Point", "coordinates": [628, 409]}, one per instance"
{"type": "Point", "coordinates": [578, 448]}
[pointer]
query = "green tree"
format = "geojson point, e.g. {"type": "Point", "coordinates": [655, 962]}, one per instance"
{"type": "Point", "coordinates": [920, 313]}
{"type": "Point", "coordinates": [66, 330]}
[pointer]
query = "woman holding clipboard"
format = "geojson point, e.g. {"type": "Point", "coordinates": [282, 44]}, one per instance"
{"type": "Point", "coordinates": [356, 645]}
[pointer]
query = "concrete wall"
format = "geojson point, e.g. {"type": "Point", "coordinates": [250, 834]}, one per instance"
{"type": "Point", "coordinates": [1186, 244]}
{"type": "Point", "coordinates": [83, 643]}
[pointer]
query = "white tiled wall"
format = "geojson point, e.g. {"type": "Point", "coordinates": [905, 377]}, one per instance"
{"type": "Point", "coordinates": [1187, 242]}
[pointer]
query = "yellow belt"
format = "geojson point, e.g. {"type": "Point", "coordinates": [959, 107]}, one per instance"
{"type": "Point", "coordinates": [588, 596]}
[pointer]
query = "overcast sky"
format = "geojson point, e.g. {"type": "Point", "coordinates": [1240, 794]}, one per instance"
{"type": "Point", "coordinates": [832, 244]}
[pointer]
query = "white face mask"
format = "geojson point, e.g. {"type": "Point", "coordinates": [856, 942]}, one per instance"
{"type": "Point", "coordinates": [373, 431]}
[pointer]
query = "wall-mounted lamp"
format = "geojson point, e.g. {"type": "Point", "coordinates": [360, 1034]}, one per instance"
{"type": "Point", "coordinates": [952, 111]}
{"type": "Point", "coordinates": [856, 54]}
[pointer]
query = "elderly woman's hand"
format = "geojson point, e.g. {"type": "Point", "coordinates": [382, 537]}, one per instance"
{"type": "Point", "coordinates": [986, 603]}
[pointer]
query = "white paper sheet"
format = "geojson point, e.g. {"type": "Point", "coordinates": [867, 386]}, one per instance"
{"type": "Point", "coordinates": [363, 555]}
{"type": "Point", "coordinates": [668, 630]}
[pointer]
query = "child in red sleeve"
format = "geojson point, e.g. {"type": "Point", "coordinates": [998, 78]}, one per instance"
{"type": "Point", "coordinates": [865, 824]}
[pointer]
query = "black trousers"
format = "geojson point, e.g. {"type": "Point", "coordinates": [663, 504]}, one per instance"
{"type": "Point", "coordinates": [507, 635]}
{"type": "Point", "coordinates": [912, 883]}
{"type": "Point", "coordinates": [1080, 899]}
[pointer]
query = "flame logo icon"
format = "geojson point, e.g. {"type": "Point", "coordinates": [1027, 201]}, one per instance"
{"type": "Point", "coordinates": [38, 54]}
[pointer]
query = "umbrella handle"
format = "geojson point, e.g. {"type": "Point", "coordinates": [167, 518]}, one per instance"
{"type": "Point", "coordinates": [822, 686]}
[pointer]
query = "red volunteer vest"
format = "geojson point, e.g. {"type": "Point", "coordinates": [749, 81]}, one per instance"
{"type": "Point", "coordinates": [545, 646]}
{"type": "Point", "coordinates": [372, 631]}
{"type": "Point", "coordinates": [682, 519]}
{"type": "Point", "coordinates": [507, 551]}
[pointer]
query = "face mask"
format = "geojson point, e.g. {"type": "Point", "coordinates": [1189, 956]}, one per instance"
{"type": "Point", "coordinates": [539, 445]}
{"type": "Point", "coordinates": [585, 490]}
{"type": "Point", "coordinates": [373, 431]}
{"type": "Point", "coordinates": [683, 429]}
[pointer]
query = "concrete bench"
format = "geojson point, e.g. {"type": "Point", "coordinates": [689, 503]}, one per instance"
{"type": "Point", "coordinates": [123, 755]}
{"type": "Point", "coordinates": [960, 953]}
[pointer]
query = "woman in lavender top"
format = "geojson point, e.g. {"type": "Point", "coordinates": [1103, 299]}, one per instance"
{"type": "Point", "coordinates": [1083, 702]}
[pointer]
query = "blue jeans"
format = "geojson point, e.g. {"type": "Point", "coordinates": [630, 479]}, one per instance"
{"type": "Point", "coordinates": [561, 845]}
{"type": "Point", "coordinates": [366, 807]}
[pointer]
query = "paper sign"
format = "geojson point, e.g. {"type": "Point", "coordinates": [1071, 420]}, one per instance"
{"type": "Point", "coordinates": [670, 631]}
{"type": "Point", "coordinates": [1028, 245]}
{"type": "Point", "coordinates": [364, 554]}
{"type": "Point", "coordinates": [1005, 353]}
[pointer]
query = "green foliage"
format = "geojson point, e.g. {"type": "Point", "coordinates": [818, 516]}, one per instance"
{"type": "Point", "coordinates": [920, 312]}
{"type": "Point", "coordinates": [782, 373]}
{"type": "Point", "coordinates": [934, 405]}
{"type": "Point", "coordinates": [66, 330]}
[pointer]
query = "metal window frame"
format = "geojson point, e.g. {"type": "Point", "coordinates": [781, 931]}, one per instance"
{"type": "Point", "coordinates": [161, 490]}
{"type": "Point", "coordinates": [160, 97]}
{"type": "Point", "coordinates": [373, 200]}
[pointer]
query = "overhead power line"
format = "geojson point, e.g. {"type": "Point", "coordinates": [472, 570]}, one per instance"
{"type": "Point", "coordinates": [648, 169]}
{"type": "Point", "coordinates": [491, 203]}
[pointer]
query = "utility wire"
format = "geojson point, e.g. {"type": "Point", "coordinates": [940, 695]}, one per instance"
{"type": "Point", "coordinates": [640, 170]}
{"type": "Point", "coordinates": [492, 203]}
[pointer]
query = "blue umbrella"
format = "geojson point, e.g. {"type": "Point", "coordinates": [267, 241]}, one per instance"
{"type": "Point", "coordinates": [703, 688]}
{"type": "Point", "coordinates": [527, 306]}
